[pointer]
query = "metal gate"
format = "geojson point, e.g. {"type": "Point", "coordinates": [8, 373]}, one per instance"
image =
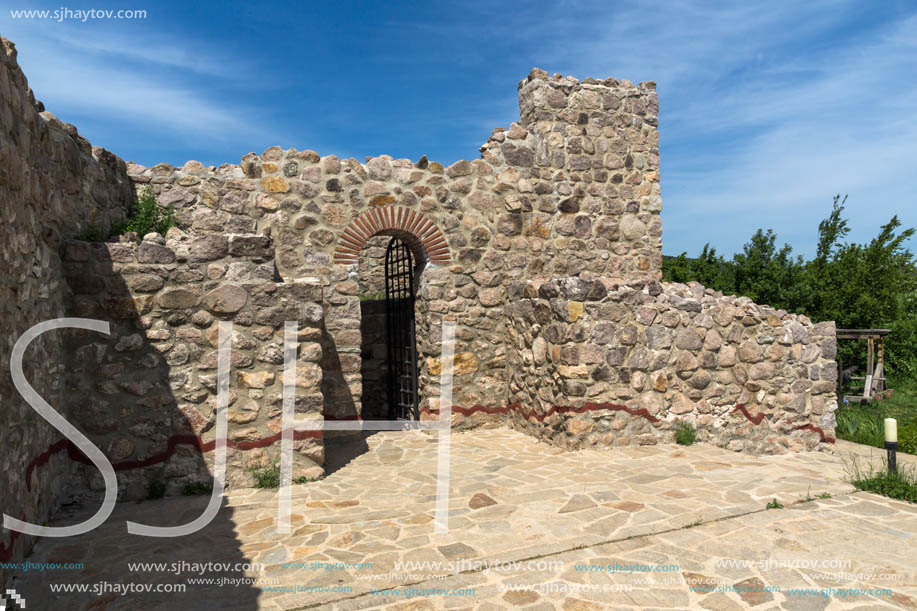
{"type": "Point", "coordinates": [402, 346]}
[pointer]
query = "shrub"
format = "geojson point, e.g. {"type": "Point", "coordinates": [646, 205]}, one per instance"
{"type": "Point", "coordinates": [92, 233]}
{"type": "Point", "coordinates": [148, 216]}
{"type": "Point", "coordinates": [685, 434]}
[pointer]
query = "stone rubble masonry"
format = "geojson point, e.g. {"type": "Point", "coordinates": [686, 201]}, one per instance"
{"type": "Point", "coordinates": [546, 251]}
{"type": "Point", "coordinates": [146, 394]}
{"type": "Point", "coordinates": [573, 189]}
{"type": "Point", "coordinates": [595, 363]}
{"type": "Point", "coordinates": [52, 182]}
{"type": "Point", "coordinates": [372, 267]}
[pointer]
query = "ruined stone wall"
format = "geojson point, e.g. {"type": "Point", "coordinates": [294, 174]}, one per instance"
{"type": "Point", "coordinates": [52, 182]}
{"type": "Point", "coordinates": [586, 161]}
{"type": "Point", "coordinates": [146, 393]}
{"type": "Point", "coordinates": [602, 354]}
{"type": "Point", "coordinates": [572, 189]}
{"type": "Point", "coordinates": [606, 365]}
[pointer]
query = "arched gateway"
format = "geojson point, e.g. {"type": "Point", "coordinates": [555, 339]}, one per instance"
{"type": "Point", "coordinates": [411, 226]}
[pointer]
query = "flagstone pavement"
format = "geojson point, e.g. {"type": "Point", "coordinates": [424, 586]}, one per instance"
{"type": "Point", "coordinates": [659, 527]}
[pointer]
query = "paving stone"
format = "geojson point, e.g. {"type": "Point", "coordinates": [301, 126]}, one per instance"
{"type": "Point", "coordinates": [578, 502]}
{"type": "Point", "coordinates": [372, 511]}
{"type": "Point", "coordinates": [480, 500]}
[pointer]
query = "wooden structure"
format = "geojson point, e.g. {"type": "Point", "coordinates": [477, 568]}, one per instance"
{"type": "Point", "coordinates": [874, 381]}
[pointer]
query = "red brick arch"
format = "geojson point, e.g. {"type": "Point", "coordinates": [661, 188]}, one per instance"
{"type": "Point", "coordinates": [392, 220]}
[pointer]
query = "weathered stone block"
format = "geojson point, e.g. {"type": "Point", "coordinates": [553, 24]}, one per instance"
{"type": "Point", "coordinates": [251, 246]}
{"type": "Point", "coordinates": [688, 339]}
{"type": "Point", "coordinates": [208, 247]}
{"type": "Point", "coordinates": [225, 299]}
{"type": "Point", "coordinates": [178, 298]}
{"type": "Point", "coordinates": [256, 379]}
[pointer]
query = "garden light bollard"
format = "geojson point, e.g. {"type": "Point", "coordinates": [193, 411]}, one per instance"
{"type": "Point", "coordinates": [891, 443]}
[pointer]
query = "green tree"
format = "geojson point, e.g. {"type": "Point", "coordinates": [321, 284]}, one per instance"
{"type": "Point", "coordinates": [710, 269]}
{"type": "Point", "coordinates": [857, 285]}
{"type": "Point", "coordinates": [769, 275]}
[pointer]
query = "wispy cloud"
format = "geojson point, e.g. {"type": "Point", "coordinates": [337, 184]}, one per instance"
{"type": "Point", "coordinates": [151, 49]}
{"type": "Point", "coordinates": [139, 82]}
{"type": "Point", "coordinates": [840, 119]}
{"type": "Point", "coordinates": [766, 112]}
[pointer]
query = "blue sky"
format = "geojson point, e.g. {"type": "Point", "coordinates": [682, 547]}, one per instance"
{"type": "Point", "coordinates": [766, 110]}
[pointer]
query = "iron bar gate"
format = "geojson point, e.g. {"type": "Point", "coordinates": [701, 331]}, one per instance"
{"type": "Point", "coordinates": [402, 345]}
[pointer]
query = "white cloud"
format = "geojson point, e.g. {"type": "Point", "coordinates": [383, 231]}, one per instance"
{"type": "Point", "coordinates": [766, 111]}
{"type": "Point", "coordinates": [146, 83]}
{"type": "Point", "coordinates": [848, 125]}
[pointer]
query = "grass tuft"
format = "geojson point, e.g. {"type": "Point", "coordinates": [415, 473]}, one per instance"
{"type": "Point", "coordinates": [266, 476]}
{"type": "Point", "coordinates": [685, 433]}
{"type": "Point", "coordinates": [901, 485]}
{"type": "Point", "coordinates": [198, 489]}
{"type": "Point", "coordinates": [156, 489]}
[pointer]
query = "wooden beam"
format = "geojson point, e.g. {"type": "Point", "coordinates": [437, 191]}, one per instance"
{"type": "Point", "coordinates": [877, 379]}
{"type": "Point", "coordinates": [870, 356]}
{"type": "Point", "coordinates": [861, 333]}
{"type": "Point", "coordinates": [880, 377]}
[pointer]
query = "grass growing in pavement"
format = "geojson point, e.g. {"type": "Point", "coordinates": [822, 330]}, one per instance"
{"type": "Point", "coordinates": [156, 489]}
{"type": "Point", "coordinates": [685, 434]}
{"type": "Point", "coordinates": [901, 485]}
{"type": "Point", "coordinates": [198, 488]}
{"type": "Point", "coordinates": [775, 504]}
{"type": "Point", "coordinates": [266, 476]}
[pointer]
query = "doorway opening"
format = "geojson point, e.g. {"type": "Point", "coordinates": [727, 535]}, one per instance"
{"type": "Point", "coordinates": [388, 273]}
{"type": "Point", "coordinates": [403, 398]}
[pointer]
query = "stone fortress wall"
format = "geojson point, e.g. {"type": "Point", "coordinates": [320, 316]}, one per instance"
{"type": "Point", "coordinates": [532, 205]}
{"type": "Point", "coordinates": [546, 252]}
{"type": "Point", "coordinates": [146, 393]}
{"type": "Point", "coordinates": [601, 364]}
{"type": "Point", "coordinates": [51, 181]}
